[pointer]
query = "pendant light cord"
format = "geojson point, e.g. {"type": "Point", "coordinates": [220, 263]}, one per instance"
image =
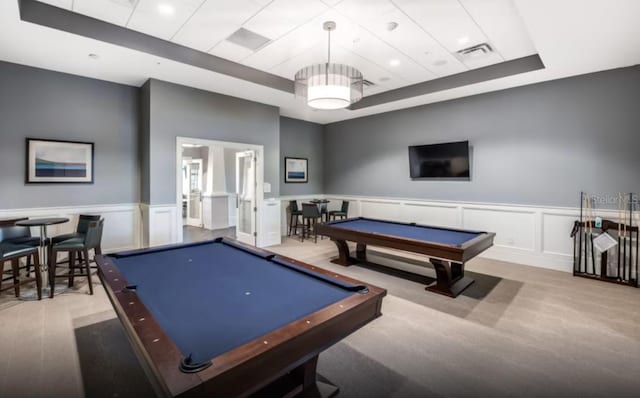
{"type": "Point", "coordinates": [326, 73]}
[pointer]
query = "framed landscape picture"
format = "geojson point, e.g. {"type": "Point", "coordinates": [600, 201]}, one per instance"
{"type": "Point", "coordinates": [295, 170]}
{"type": "Point", "coordinates": [52, 161]}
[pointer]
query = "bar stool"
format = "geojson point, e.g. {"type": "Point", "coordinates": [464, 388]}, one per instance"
{"type": "Point", "coordinates": [13, 253]}
{"type": "Point", "coordinates": [17, 235]}
{"type": "Point", "coordinates": [342, 213]}
{"type": "Point", "coordinates": [81, 230]}
{"type": "Point", "coordinates": [294, 214]}
{"type": "Point", "coordinates": [79, 246]}
{"type": "Point", "coordinates": [310, 216]}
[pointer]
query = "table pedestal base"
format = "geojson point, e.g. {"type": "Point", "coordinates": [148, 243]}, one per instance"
{"type": "Point", "coordinates": [450, 280]}
{"type": "Point", "coordinates": [302, 382]}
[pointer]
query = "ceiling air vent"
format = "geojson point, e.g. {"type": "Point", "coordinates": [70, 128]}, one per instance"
{"type": "Point", "coordinates": [248, 39]}
{"type": "Point", "coordinates": [476, 51]}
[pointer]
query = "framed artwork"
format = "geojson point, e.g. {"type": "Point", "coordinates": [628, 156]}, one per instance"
{"type": "Point", "coordinates": [295, 170]}
{"type": "Point", "coordinates": [53, 161]}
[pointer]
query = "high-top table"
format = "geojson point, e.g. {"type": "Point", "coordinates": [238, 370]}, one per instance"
{"type": "Point", "coordinates": [43, 223]}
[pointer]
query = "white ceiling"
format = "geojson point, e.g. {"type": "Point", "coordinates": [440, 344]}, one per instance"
{"type": "Point", "coordinates": [420, 48]}
{"type": "Point", "coordinates": [572, 37]}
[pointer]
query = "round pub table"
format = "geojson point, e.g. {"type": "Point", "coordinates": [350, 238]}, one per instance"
{"type": "Point", "coordinates": [43, 223]}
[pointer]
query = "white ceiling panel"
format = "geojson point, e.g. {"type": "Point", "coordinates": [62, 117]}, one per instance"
{"type": "Point", "coordinates": [363, 10]}
{"type": "Point", "coordinates": [215, 21]}
{"type": "Point", "coordinates": [113, 11]}
{"type": "Point", "coordinates": [162, 18]}
{"type": "Point", "coordinates": [297, 10]}
{"type": "Point", "coordinates": [331, 2]}
{"type": "Point", "coordinates": [293, 43]}
{"type": "Point", "coordinates": [500, 21]}
{"type": "Point", "coordinates": [368, 46]}
{"type": "Point", "coordinates": [422, 48]}
{"type": "Point", "coordinates": [232, 52]}
{"type": "Point", "coordinates": [446, 20]}
{"type": "Point", "coordinates": [282, 16]}
{"type": "Point", "coordinates": [270, 24]}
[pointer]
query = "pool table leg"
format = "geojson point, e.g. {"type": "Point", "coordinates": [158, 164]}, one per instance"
{"type": "Point", "coordinates": [343, 254]}
{"type": "Point", "coordinates": [301, 382]}
{"type": "Point", "coordinates": [450, 279]}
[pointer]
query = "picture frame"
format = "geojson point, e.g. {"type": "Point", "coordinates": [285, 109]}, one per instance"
{"type": "Point", "coordinates": [57, 161]}
{"type": "Point", "coordinates": [296, 170]}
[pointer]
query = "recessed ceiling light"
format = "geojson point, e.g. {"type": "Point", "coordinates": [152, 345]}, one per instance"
{"type": "Point", "coordinates": [391, 26]}
{"type": "Point", "coordinates": [440, 62]}
{"type": "Point", "coordinates": [463, 40]}
{"type": "Point", "coordinates": [384, 79]}
{"type": "Point", "coordinates": [394, 62]}
{"type": "Point", "coordinates": [165, 9]}
{"type": "Point", "coordinates": [94, 56]}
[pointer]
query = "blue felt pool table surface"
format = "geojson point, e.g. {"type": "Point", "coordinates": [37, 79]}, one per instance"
{"type": "Point", "coordinates": [213, 297]}
{"type": "Point", "coordinates": [417, 232]}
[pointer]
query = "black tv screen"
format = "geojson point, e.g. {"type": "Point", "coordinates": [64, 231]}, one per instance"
{"type": "Point", "coordinates": [450, 160]}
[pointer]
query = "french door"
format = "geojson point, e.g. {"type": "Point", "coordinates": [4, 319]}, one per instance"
{"type": "Point", "coordinates": [194, 197]}
{"type": "Point", "coordinates": [246, 185]}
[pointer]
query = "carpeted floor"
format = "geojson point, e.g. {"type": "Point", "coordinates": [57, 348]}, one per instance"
{"type": "Point", "coordinates": [518, 331]}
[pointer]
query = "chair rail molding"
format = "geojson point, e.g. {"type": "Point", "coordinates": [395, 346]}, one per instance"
{"type": "Point", "coordinates": [121, 227]}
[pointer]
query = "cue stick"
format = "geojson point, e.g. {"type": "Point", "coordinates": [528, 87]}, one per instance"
{"type": "Point", "coordinates": [624, 242]}
{"type": "Point", "coordinates": [637, 247]}
{"type": "Point", "coordinates": [620, 220]}
{"type": "Point", "coordinates": [586, 233]}
{"type": "Point", "coordinates": [580, 233]}
{"type": "Point", "coordinates": [591, 217]}
{"type": "Point", "coordinates": [630, 238]}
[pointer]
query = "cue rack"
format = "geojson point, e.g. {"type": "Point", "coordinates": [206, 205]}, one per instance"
{"type": "Point", "coordinates": [614, 257]}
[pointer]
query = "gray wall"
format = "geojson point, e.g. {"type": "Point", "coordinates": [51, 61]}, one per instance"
{"type": "Point", "coordinates": [182, 111]}
{"type": "Point", "coordinates": [301, 139]}
{"type": "Point", "coordinates": [230, 169]}
{"type": "Point", "coordinates": [43, 104]}
{"type": "Point", "coordinates": [539, 144]}
{"type": "Point", "coordinates": [144, 141]}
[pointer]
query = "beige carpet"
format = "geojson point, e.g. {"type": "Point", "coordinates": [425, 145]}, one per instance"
{"type": "Point", "coordinates": [518, 331]}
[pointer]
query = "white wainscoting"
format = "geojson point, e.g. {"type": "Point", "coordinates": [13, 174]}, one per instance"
{"type": "Point", "coordinates": [160, 224]}
{"type": "Point", "coordinates": [121, 227]}
{"type": "Point", "coordinates": [531, 235]}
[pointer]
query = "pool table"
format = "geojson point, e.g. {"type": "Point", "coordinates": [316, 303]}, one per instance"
{"type": "Point", "coordinates": [220, 318]}
{"type": "Point", "coordinates": [447, 248]}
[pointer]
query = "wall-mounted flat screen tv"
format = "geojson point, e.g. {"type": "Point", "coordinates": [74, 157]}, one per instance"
{"type": "Point", "coordinates": [450, 160]}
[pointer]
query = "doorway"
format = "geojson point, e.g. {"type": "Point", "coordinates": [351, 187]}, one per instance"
{"type": "Point", "coordinates": [192, 191]}
{"type": "Point", "coordinates": [220, 188]}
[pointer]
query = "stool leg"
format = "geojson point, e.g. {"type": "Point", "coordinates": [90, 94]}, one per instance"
{"type": "Point", "coordinates": [72, 267]}
{"type": "Point", "coordinates": [88, 268]}
{"type": "Point", "coordinates": [29, 266]}
{"type": "Point", "coordinates": [16, 282]}
{"type": "Point", "coordinates": [53, 261]}
{"type": "Point", "coordinates": [290, 224]}
{"type": "Point", "coordinates": [36, 268]}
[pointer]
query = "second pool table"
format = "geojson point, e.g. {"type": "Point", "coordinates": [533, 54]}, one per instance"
{"type": "Point", "coordinates": [220, 318]}
{"type": "Point", "coordinates": [447, 248]}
